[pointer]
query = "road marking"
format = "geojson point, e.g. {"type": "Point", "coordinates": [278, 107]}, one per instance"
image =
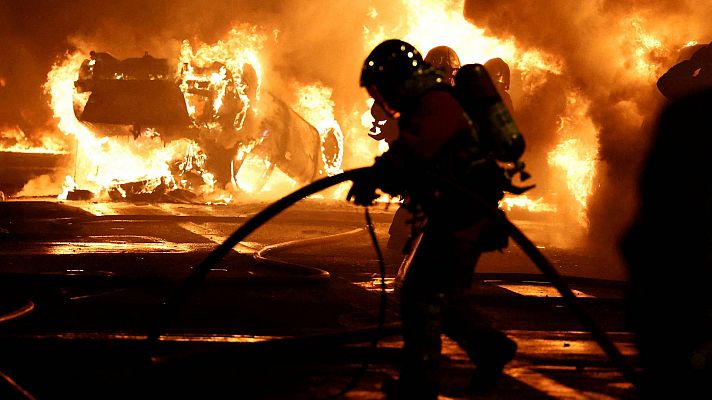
{"type": "Point", "coordinates": [111, 247]}
{"type": "Point", "coordinates": [539, 290]}
{"type": "Point", "coordinates": [218, 237]}
{"type": "Point", "coordinates": [551, 387]}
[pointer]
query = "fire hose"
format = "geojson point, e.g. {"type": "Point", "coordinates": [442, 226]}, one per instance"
{"type": "Point", "coordinates": [180, 297]}
{"type": "Point", "coordinates": [172, 306]}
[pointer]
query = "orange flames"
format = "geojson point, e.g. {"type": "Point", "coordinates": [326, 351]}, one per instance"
{"type": "Point", "coordinates": [315, 105]}
{"type": "Point", "coordinates": [509, 203]}
{"type": "Point", "coordinates": [575, 155]}
{"type": "Point", "coordinates": [14, 139]}
{"type": "Point", "coordinates": [102, 162]}
{"type": "Point", "coordinates": [207, 67]}
{"type": "Point", "coordinates": [215, 80]}
{"type": "Point", "coordinates": [234, 69]}
{"type": "Point", "coordinates": [430, 23]}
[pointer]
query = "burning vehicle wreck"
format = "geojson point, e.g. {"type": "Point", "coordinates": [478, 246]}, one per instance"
{"type": "Point", "coordinates": [213, 109]}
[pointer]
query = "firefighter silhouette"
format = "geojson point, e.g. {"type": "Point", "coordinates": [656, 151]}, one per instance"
{"type": "Point", "coordinates": [688, 76]}
{"type": "Point", "coordinates": [435, 138]}
{"type": "Point", "coordinates": [446, 60]}
{"type": "Point", "coordinates": [668, 250]}
{"type": "Point", "coordinates": [499, 71]}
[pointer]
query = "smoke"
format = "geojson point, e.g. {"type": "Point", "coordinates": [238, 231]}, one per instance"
{"type": "Point", "coordinates": [43, 185]}
{"type": "Point", "coordinates": [613, 52]}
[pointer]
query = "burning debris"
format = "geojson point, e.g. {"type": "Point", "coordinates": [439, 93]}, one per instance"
{"type": "Point", "coordinates": [209, 115]}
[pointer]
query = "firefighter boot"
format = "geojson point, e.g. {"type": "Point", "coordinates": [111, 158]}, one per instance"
{"type": "Point", "coordinates": [490, 365]}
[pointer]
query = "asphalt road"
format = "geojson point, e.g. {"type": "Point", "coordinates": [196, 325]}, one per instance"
{"type": "Point", "coordinates": [83, 283]}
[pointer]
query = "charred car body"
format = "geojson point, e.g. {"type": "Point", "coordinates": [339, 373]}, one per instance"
{"type": "Point", "coordinates": [211, 105]}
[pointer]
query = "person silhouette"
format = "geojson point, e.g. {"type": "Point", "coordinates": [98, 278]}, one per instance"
{"type": "Point", "coordinates": [689, 75]}
{"type": "Point", "coordinates": [436, 137]}
{"type": "Point", "coordinates": [668, 251]}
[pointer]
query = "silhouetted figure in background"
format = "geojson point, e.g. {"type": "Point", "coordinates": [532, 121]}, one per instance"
{"type": "Point", "coordinates": [446, 60]}
{"type": "Point", "coordinates": [668, 249]}
{"type": "Point", "coordinates": [499, 71]}
{"type": "Point", "coordinates": [688, 76]}
{"type": "Point", "coordinates": [436, 138]}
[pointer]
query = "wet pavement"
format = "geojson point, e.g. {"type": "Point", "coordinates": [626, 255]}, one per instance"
{"type": "Point", "coordinates": [82, 284]}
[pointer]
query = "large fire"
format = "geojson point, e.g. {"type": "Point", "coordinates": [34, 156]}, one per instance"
{"type": "Point", "coordinates": [222, 87]}
{"type": "Point", "coordinates": [102, 162]}
{"type": "Point", "coordinates": [575, 155]}
{"type": "Point", "coordinates": [15, 140]}
{"type": "Point", "coordinates": [233, 98]}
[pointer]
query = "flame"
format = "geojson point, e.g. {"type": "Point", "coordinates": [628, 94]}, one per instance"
{"type": "Point", "coordinates": [509, 203]}
{"type": "Point", "coordinates": [315, 105]}
{"type": "Point", "coordinates": [104, 162]}
{"type": "Point", "coordinates": [576, 154]}
{"type": "Point", "coordinates": [648, 51]}
{"type": "Point", "coordinates": [431, 23]}
{"type": "Point", "coordinates": [15, 139]}
{"type": "Point", "coordinates": [231, 57]}
{"type": "Point", "coordinates": [225, 69]}
{"type": "Point", "coordinates": [578, 162]}
{"type": "Point", "coordinates": [68, 186]}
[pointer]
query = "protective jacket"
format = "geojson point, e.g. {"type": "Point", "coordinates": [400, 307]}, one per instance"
{"type": "Point", "coordinates": [438, 143]}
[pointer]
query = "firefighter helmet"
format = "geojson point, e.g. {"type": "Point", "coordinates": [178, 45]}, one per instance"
{"type": "Point", "coordinates": [392, 59]}
{"type": "Point", "coordinates": [387, 69]}
{"type": "Point", "coordinates": [498, 71]}
{"type": "Point", "coordinates": [445, 59]}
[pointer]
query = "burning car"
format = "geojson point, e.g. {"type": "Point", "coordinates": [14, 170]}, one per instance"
{"type": "Point", "coordinates": [212, 105]}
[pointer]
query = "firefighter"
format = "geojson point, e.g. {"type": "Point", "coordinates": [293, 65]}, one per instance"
{"type": "Point", "coordinates": [499, 71]}
{"type": "Point", "coordinates": [401, 231]}
{"type": "Point", "coordinates": [445, 59]}
{"type": "Point", "coordinates": [671, 312]}
{"type": "Point", "coordinates": [689, 76]}
{"type": "Point", "coordinates": [435, 144]}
